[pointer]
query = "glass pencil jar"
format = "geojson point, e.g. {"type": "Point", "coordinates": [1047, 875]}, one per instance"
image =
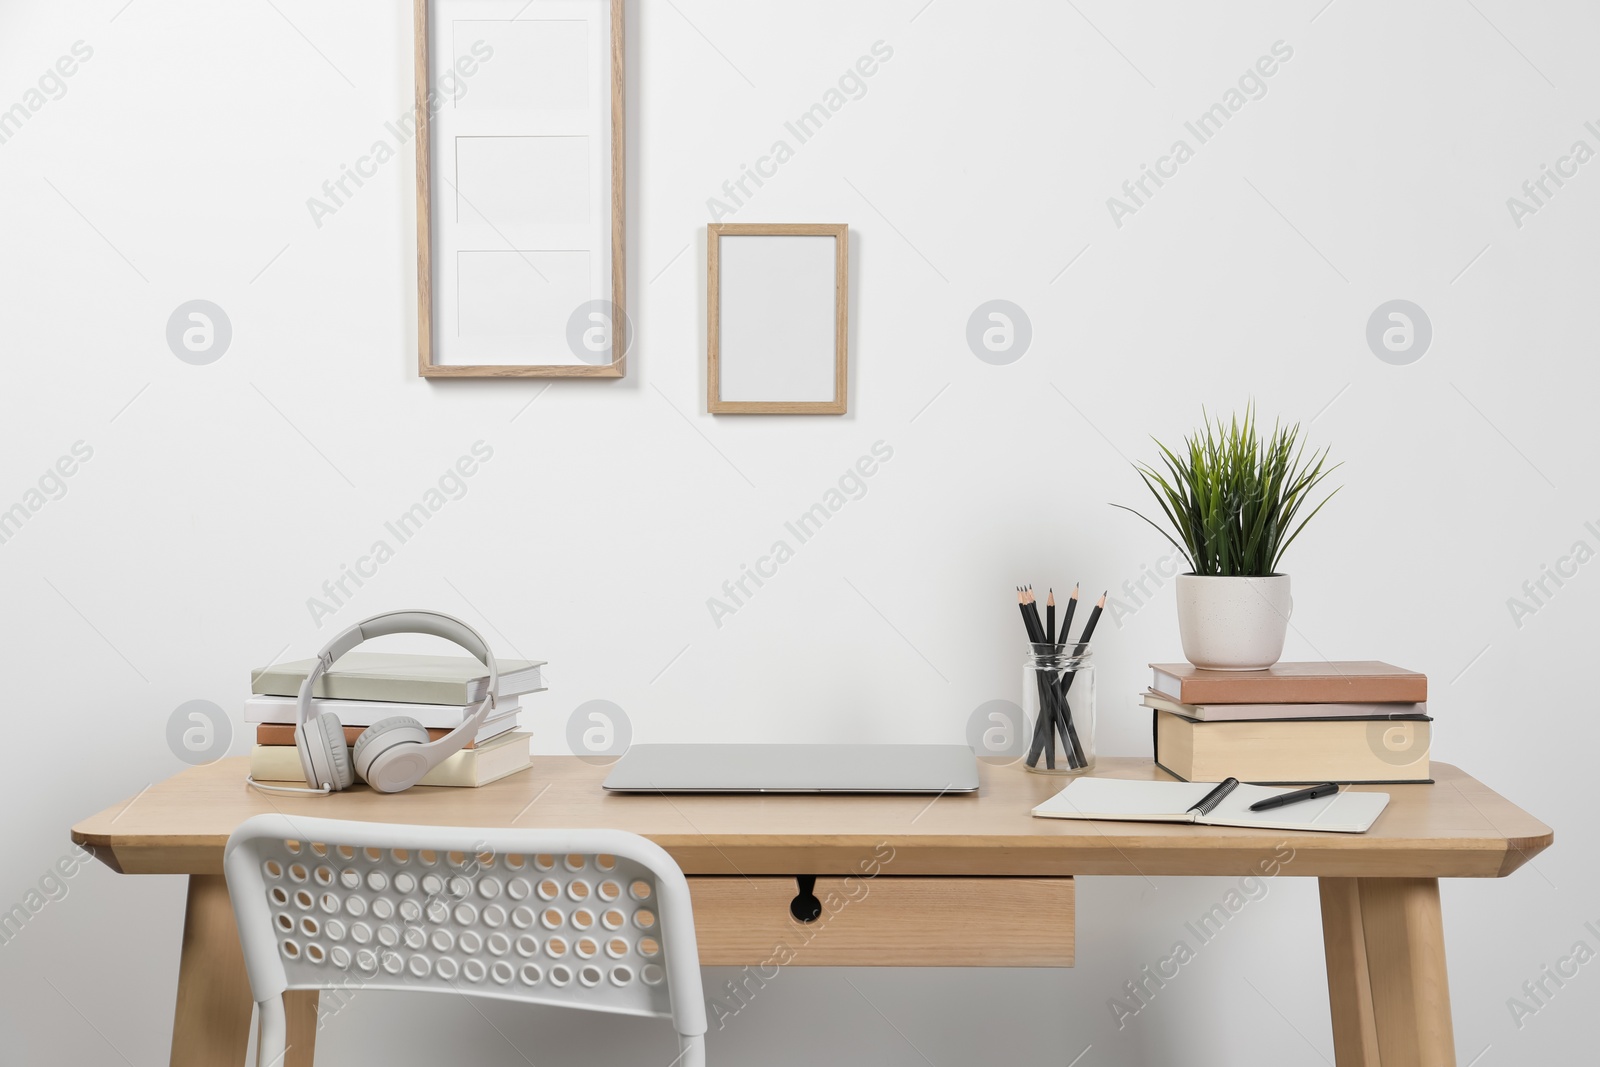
{"type": "Point", "coordinates": [1058, 708]}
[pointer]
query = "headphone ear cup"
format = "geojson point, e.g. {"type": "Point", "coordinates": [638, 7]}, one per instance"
{"type": "Point", "coordinates": [323, 756]}
{"type": "Point", "coordinates": [389, 756]}
{"type": "Point", "coordinates": [333, 735]}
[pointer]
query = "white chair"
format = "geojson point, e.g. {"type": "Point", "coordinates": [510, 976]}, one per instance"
{"type": "Point", "coordinates": [596, 919]}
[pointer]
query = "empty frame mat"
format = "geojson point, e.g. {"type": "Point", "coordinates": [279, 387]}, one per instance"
{"type": "Point", "coordinates": [776, 335]}
{"type": "Point", "coordinates": [520, 261]}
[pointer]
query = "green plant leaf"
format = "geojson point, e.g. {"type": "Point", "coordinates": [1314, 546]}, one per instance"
{"type": "Point", "coordinates": [1232, 495]}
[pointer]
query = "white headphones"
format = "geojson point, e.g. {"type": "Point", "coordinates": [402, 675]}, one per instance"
{"type": "Point", "coordinates": [394, 754]}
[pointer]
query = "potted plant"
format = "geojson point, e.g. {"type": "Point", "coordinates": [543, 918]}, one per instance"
{"type": "Point", "coordinates": [1232, 496]}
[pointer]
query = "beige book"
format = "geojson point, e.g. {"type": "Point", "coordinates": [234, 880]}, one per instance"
{"type": "Point", "coordinates": [1303, 752]}
{"type": "Point", "coordinates": [469, 768]}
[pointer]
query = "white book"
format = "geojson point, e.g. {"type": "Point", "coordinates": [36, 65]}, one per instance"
{"type": "Point", "coordinates": [1121, 800]}
{"type": "Point", "coordinates": [1269, 712]}
{"type": "Point", "coordinates": [258, 709]}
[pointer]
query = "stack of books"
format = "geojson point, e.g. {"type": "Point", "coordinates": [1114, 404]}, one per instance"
{"type": "Point", "coordinates": [1294, 723]}
{"type": "Point", "coordinates": [364, 688]}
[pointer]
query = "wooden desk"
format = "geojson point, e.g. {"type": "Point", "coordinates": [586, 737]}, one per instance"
{"type": "Point", "coordinates": [906, 881]}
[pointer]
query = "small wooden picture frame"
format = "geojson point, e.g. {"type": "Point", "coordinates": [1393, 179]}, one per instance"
{"type": "Point", "coordinates": [520, 132]}
{"type": "Point", "coordinates": [777, 318]}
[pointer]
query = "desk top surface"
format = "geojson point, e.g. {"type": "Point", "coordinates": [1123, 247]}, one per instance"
{"type": "Point", "coordinates": [1457, 827]}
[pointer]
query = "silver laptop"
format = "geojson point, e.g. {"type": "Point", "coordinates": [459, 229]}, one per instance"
{"type": "Point", "coordinates": [795, 769]}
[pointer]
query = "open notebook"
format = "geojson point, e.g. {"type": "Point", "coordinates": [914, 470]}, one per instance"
{"type": "Point", "coordinates": [1119, 800]}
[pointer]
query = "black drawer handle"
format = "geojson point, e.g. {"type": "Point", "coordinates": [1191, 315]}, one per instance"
{"type": "Point", "coordinates": [805, 907]}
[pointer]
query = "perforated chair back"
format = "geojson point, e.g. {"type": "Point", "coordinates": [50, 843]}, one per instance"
{"type": "Point", "coordinates": [596, 919]}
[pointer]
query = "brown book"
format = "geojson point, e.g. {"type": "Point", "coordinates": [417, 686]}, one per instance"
{"type": "Point", "coordinates": [1295, 752]}
{"type": "Point", "coordinates": [1292, 683]}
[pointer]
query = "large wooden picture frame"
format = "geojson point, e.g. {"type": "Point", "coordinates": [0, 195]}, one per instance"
{"type": "Point", "coordinates": [604, 284]}
{"type": "Point", "coordinates": [812, 300]}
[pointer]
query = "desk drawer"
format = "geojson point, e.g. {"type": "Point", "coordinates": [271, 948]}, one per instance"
{"type": "Point", "coordinates": [886, 922]}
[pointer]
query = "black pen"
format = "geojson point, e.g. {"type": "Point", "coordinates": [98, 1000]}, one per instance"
{"type": "Point", "coordinates": [1326, 789]}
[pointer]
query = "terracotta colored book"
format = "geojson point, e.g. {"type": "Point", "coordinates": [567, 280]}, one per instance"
{"type": "Point", "coordinates": [281, 733]}
{"type": "Point", "coordinates": [1291, 683]}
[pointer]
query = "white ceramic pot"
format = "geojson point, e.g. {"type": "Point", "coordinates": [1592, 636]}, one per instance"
{"type": "Point", "coordinates": [1233, 624]}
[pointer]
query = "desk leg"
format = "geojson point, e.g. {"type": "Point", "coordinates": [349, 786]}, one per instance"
{"type": "Point", "coordinates": [211, 1021]}
{"type": "Point", "coordinates": [1405, 966]}
{"type": "Point", "coordinates": [1355, 1030]}
{"type": "Point", "coordinates": [1397, 1012]}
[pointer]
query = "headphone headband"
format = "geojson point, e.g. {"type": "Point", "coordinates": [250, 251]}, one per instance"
{"type": "Point", "coordinates": [432, 623]}
{"type": "Point", "coordinates": [427, 622]}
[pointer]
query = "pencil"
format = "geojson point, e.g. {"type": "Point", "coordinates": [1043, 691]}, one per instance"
{"type": "Point", "coordinates": [1072, 607]}
{"type": "Point", "coordinates": [1088, 632]}
{"type": "Point", "coordinates": [1038, 623]}
{"type": "Point", "coordinates": [1050, 617]}
{"type": "Point", "coordinates": [1049, 719]}
{"type": "Point", "coordinates": [1041, 726]}
{"type": "Point", "coordinates": [1054, 718]}
{"type": "Point", "coordinates": [1076, 747]}
{"type": "Point", "coordinates": [1022, 606]}
{"type": "Point", "coordinates": [1094, 617]}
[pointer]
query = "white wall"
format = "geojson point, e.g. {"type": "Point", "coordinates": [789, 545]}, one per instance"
{"type": "Point", "coordinates": [977, 165]}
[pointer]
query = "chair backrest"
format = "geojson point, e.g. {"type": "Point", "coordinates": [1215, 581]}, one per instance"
{"type": "Point", "coordinates": [596, 919]}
